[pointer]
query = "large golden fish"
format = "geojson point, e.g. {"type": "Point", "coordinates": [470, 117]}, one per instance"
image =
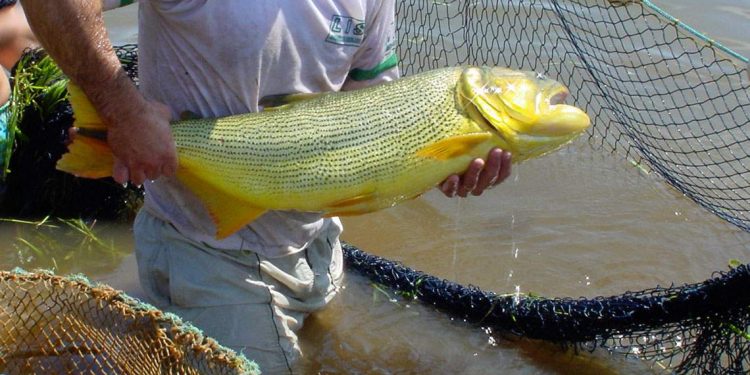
{"type": "Point", "coordinates": [350, 153]}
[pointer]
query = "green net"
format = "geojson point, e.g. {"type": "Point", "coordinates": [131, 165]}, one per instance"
{"type": "Point", "coordinates": [66, 325]}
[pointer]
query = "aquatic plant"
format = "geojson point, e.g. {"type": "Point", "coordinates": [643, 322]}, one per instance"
{"type": "Point", "coordinates": [38, 126]}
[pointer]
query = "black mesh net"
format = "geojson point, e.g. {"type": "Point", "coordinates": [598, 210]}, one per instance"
{"type": "Point", "coordinates": [656, 90]}
{"type": "Point", "coordinates": [689, 328]}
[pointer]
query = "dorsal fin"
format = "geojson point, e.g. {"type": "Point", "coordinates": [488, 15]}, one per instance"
{"type": "Point", "coordinates": [276, 102]}
{"type": "Point", "coordinates": [189, 115]}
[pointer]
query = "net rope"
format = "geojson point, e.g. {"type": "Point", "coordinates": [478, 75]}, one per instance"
{"type": "Point", "coordinates": [660, 94]}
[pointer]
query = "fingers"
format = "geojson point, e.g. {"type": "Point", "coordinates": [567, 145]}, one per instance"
{"type": "Point", "coordinates": [120, 172]}
{"type": "Point", "coordinates": [505, 168]}
{"type": "Point", "coordinates": [145, 154]}
{"type": "Point", "coordinates": [470, 179]}
{"type": "Point", "coordinates": [480, 175]}
{"type": "Point", "coordinates": [449, 187]}
{"type": "Point", "coordinates": [137, 176]}
{"type": "Point", "coordinates": [490, 173]}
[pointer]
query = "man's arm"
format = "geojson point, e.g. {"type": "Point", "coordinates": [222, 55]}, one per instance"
{"type": "Point", "coordinates": [73, 33]}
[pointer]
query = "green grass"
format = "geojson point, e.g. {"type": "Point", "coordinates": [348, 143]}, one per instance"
{"type": "Point", "coordinates": [35, 83]}
{"type": "Point", "coordinates": [53, 242]}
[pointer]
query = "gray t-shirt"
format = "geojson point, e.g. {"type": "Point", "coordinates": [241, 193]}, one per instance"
{"type": "Point", "coordinates": [217, 58]}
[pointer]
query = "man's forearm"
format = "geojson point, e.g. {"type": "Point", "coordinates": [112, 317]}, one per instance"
{"type": "Point", "coordinates": [74, 35]}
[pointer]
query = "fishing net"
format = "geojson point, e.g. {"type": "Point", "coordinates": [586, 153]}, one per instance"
{"type": "Point", "coordinates": [664, 95]}
{"type": "Point", "coordinates": [55, 325]}
{"type": "Point", "coordinates": [661, 94]}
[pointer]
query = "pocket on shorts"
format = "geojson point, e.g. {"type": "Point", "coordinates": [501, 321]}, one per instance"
{"type": "Point", "coordinates": [325, 260]}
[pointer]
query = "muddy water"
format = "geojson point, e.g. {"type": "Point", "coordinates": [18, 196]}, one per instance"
{"type": "Point", "coordinates": [575, 223]}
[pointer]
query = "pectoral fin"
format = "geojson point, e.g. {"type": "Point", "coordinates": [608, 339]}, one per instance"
{"type": "Point", "coordinates": [353, 201]}
{"type": "Point", "coordinates": [228, 212]}
{"type": "Point", "coordinates": [454, 146]}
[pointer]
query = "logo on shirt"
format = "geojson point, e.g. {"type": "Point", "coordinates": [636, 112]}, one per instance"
{"type": "Point", "coordinates": [346, 31]}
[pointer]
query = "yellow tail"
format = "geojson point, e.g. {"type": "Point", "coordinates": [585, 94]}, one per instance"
{"type": "Point", "coordinates": [87, 156]}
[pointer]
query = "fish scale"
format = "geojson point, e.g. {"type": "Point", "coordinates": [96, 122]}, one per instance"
{"type": "Point", "coordinates": [267, 154]}
{"type": "Point", "coordinates": [353, 152]}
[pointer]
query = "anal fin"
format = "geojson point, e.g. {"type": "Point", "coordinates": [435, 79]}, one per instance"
{"type": "Point", "coordinates": [453, 146]}
{"type": "Point", "coordinates": [352, 201]}
{"type": "Point", "coordinates": [351, 206]}
{"type": "Point", "coordinates": [228, 212]}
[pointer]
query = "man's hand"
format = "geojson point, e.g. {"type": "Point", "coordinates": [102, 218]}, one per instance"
{"type": "Point", "coordinates": [480, 175]}
{"type": "Point", "coordinates": [142, 144]}
{"type": "Point", "coordinates": [73, 33]}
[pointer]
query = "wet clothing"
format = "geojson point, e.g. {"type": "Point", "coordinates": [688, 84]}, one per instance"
{"type": "Point", "coordinates": [252, 290]}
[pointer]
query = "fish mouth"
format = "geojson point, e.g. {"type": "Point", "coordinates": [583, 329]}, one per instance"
{"type": "Point", "coordinates": [559, 97]}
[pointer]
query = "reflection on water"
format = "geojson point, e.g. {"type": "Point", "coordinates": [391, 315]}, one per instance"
{"type": "Point", "coordinates": [575, 223]}
{"type": "Point", "coordinates": [64, 246]}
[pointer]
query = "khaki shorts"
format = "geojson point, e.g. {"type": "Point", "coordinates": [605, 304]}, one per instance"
{"type": "Point", "coordinates": [245, 301]}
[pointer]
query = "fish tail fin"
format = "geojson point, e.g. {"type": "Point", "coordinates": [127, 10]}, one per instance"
{"type": "Point", "coordinates": [85, 114]}
{"type": "Point", "coordinates": [88, 156]}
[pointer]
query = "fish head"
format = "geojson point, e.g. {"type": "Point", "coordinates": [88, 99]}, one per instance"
{"type": "Point", "coordinates": [525, 109]}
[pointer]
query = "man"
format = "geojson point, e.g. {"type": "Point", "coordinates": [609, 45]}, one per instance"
{"type": "Point", "coordinates": [252, 290]}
